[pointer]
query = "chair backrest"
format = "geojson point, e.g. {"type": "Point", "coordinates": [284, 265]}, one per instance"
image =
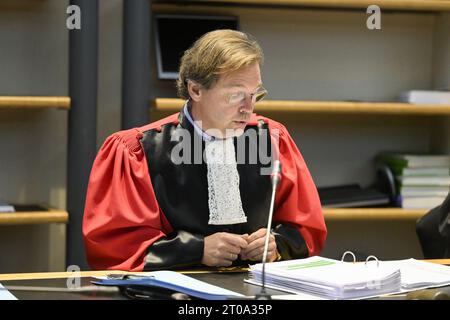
{"type": "Point", "coordinates": [433, 230]}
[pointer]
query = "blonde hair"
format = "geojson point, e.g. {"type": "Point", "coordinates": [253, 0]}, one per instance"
{"type": "Point", "coordinates": [215, 53]}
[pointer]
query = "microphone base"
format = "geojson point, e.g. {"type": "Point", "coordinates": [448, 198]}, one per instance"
{"type": "Point", "coordinates": [263, 296]}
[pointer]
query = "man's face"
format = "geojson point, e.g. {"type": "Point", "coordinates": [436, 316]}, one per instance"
{"type": "Point", "coordinates": [228, 104]}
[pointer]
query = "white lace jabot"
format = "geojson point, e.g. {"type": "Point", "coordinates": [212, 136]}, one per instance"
{"type": "Point", "coordinates": [225, 204]}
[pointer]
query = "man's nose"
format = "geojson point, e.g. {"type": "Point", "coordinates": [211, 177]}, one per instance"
{"type": "Point", "coordinates": [248, 105]}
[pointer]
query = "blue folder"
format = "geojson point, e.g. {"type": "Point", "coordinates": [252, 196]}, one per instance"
{"type": "Point", "coordinates": [173, 281]}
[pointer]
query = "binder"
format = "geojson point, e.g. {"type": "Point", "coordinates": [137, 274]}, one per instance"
{"type": "Point", "coordinates": [323, 278]}
{"type": "Point", "coordinates": [329, 278]}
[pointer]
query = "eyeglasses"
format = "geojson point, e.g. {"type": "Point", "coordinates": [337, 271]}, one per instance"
{"type": "Point", "coordinates": [239, 97]}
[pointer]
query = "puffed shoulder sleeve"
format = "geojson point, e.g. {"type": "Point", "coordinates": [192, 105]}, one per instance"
{"type": "Point", "coordinates": [121, 217]}
{"type": "Point", "coordinates": [299, 225]}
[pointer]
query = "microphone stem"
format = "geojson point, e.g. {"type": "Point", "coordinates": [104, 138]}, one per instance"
{"type": "Point", "coordinates": [266, 244]}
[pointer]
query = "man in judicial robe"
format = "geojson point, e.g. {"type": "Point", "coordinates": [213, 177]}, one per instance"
{"type": "Point", "coordinates": [194, 189]}
{"type": "Point", "coordinates": [433, 231]}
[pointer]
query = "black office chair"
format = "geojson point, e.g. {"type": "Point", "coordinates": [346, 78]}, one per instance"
{"type": "Point", "coordinates": [433, 230]}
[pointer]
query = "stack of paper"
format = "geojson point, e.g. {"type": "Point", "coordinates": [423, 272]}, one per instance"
{"type": "Point", "coordinates": [426, 97]}
{"type": "Point", "coordinates": [420, 274]}
{"type": "Point", "coordinates": [329, 278]}
{"type": "Point", "coordinates": [5, 207]}
{"type": "Point", "coordinates": [422, 180]}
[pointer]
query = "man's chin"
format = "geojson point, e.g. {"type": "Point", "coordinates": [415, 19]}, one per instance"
{"type": "Point", "coordinates": [238, 132]}
{"type": "Point", "coordinates": [235, 132]}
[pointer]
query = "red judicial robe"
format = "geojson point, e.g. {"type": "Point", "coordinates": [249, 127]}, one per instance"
{"type": "Point", "coordinates": [143, 212]}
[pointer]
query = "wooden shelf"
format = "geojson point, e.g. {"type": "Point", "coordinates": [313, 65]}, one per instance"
{"type": "Point", "coordinates": [34, 217]}
{"type": "Point", "coordinates": [338, 107]}
{"type": "Point", "coordinates": [35, 102]}
{"type": "Point", "coordinates": [408, 5]}
{"type": "Point", "coordinates": [372, 214]}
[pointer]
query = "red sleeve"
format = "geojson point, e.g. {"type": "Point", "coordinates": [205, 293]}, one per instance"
{"type": "Point", "coordinates": [121, 217]}
{"type": "Point", "coordinates": [297, 202]}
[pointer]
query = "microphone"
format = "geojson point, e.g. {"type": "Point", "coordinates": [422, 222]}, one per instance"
{"type": "Point", "coordinates": [275, 178]}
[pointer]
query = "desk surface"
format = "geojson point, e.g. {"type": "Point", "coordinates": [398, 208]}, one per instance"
{"type": "Point", "coordinates": [57, 275]}
{"type": "Point", "coordinates": [229, 280]}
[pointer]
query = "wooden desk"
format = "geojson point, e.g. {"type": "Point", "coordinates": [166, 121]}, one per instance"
{"type": "Point", "coordinates": [232, 281]}
{"type": "Point", "coordinates": [229, 280]}
{"type": "Point", "coordinates": [99, 273]}
{"type": "Point", "coordinates": [440, 261]}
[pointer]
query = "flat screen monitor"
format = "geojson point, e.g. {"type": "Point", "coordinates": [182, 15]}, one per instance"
{"type": "Point", "coordinates": [176, 33]}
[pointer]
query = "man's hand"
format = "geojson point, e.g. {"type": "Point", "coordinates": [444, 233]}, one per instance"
{"type": "Point", "coordinates": [222, 248]}
{"type": "Point", "coordinates": [255, 248]}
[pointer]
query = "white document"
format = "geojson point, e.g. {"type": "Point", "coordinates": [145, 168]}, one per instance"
{"type": "Point", "coordinates": [426, 97]}
{"type": "Point", "coordinates": [5, 294]}
{"type": "Point", "coordinates": [420, 274]}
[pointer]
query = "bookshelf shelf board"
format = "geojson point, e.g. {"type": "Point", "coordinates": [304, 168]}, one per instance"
{"type": "Point", "coordinates": [404, 5]}
{"type": "Point", "coordinates": [34, 217]}
{"type": "Point", "coordinates": [338, 107]}
{"type": "Point", "coordinates": [35, 102]}
{"type": "Point", "coordinates": [373, 213]}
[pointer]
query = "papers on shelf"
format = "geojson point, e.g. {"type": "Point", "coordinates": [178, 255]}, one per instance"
{"type": "Point", "coordinates": [426, 97]}
{"type": "Point", "coordinates": [318, 277]}
{"type": "Point", "coordinates": [174, 281]}
{"type": "Point", "coordinates": [6, 207]}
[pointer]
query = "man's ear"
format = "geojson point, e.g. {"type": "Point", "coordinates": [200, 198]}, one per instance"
{"type": "Point", "coordinates": [195, 91]}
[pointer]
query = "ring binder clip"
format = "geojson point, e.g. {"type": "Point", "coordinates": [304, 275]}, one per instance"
{"type": "Point", "coordinates": [348, 252]}
{"type": "Point", "coordinates": [373, 257]}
